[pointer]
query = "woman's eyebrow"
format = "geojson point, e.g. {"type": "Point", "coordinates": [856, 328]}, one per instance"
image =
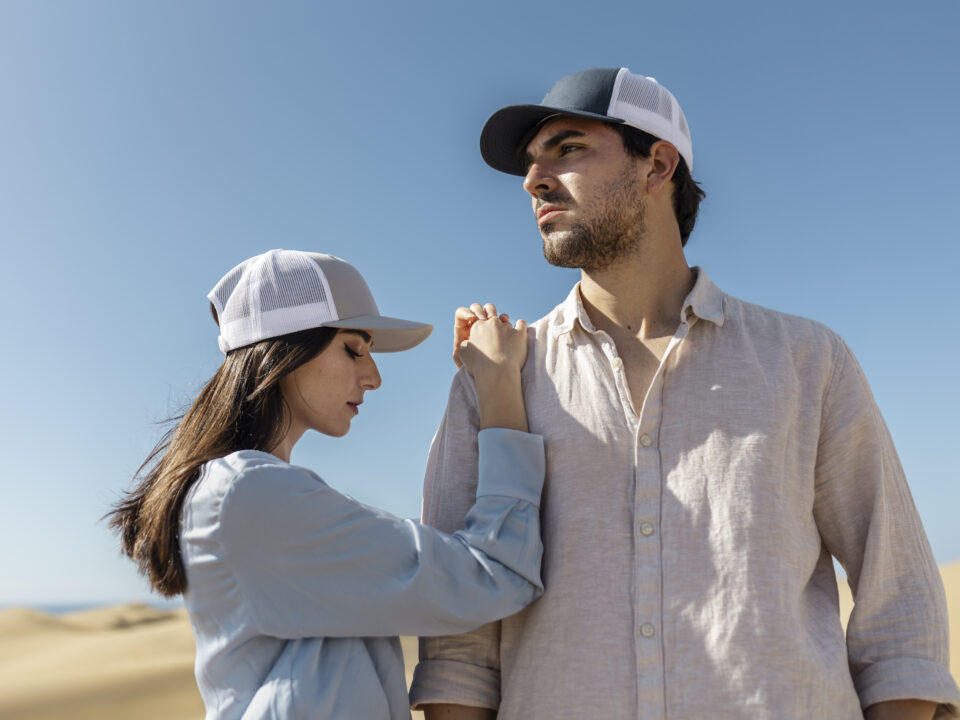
{"type": "Point", "coordinates": [362, 333]}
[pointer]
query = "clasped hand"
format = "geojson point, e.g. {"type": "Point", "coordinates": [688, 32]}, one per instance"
{"type": "Point", "coordinates": [484, 340]}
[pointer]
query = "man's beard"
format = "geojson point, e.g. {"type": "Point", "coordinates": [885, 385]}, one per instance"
{"type": "Point", "coordinates": [596, 243]}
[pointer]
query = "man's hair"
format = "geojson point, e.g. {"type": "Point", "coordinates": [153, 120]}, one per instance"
{"type": "Point", "coordinates": [687, 193]}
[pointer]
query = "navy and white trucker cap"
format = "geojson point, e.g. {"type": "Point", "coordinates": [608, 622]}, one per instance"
{"type": "Point", "coordinates": [613, 95]}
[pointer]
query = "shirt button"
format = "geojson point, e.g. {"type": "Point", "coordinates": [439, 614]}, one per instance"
{"type": "Point", "coordinates": [618, 363]}
{"type": "Point", "coordinates": [646, 529]}
{"type": "Point", "coordinates": [645, 440]}
{"type": "Point", "coordinates": [647, 630]}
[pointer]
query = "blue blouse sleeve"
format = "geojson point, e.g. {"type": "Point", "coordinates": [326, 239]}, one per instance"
{"type": "Point", "coordinates": [310, 561]}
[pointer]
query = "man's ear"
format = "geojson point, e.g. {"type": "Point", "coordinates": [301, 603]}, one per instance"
{"type": "Point", "coordinates": [663, 162]}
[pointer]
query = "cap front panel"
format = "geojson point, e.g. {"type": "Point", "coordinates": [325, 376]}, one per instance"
{"type": "Point", "coordinates": [585, 91]}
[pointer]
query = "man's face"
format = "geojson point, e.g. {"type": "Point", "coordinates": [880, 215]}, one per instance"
{"type": "Point", "coordinates": [587, 193]}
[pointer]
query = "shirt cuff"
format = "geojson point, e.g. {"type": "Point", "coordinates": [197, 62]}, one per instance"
{"type": "Point", "coordinates": [457, 683]}
{"type": "Point", "coordinates": [907, 678]}
{"type": "Point", "coordinates": [511, 464]}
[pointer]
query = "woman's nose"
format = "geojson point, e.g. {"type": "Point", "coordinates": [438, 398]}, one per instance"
{"type": "Point", "coordinates": [371, 375]}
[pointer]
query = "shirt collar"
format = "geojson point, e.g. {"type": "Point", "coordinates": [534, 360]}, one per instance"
{"type": "Point", "coordinates": [705, 301]}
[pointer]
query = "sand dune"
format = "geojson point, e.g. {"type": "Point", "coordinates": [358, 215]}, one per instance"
{"type": "Point", "coordinates": [134, 661]}
{"type": "Point", "coordinates": [122, 662]}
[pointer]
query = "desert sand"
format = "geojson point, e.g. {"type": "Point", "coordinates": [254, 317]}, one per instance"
{"type": "Point", "coordinates": [134, 661]}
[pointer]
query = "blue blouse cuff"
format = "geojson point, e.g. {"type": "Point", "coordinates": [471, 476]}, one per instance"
{"type": "Point", "coordinates": [511, 464]}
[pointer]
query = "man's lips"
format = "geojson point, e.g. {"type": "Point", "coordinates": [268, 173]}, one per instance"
{"type": "Point", "coordinates": [355, 406]}
{"type": "Point", "coordinates": [546, 213]}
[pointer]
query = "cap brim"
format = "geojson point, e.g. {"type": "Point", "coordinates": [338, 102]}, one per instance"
{"type": "Point", "coordinates": [389, 334]}
{"type": "Point", "coordinates": [501, 136]}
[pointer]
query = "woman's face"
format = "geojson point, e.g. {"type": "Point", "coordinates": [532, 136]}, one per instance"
{"type": "Point", "coordinates": [325, 393]}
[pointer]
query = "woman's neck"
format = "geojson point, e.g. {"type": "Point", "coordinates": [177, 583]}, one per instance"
{"type": "Point", "coordinates": [284, 446]}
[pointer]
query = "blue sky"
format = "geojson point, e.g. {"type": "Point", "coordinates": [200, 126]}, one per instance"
{"type": "Point", "coordinates": [146, 148]}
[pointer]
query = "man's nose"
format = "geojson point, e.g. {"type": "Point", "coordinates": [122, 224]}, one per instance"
{"type": "Point", "coordinates": [539, 180]}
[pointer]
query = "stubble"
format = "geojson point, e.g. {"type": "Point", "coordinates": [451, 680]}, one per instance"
{"type": "Point", "coordinates": [615, 228]}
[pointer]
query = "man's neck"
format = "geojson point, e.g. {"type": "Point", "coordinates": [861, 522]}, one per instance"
{"type": "Point", "coordinates": [639, 295]}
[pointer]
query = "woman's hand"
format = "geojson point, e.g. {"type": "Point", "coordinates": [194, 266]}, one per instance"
{"type": "Point", "coordinates": [463, 320]}
{"type": "Point", "coordinates": [494, 353]}
{"type": "Point", "coordinates": [492, 345]}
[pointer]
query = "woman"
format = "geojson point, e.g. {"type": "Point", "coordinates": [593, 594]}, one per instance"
{"type": "Point", "coordinates": [295, 592]}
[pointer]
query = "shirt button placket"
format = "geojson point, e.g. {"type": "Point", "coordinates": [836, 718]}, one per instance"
{"type": "Point", "coordinates": [648, 569]}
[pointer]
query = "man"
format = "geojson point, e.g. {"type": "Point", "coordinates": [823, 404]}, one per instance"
{"type": "Point", "coordinates": [706, 460]}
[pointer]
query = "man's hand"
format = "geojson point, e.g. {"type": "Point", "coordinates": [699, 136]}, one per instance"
{"type": "Point", "coordinates": [457, 712]}
{"type": "Point", "coordinates": [900, 710]}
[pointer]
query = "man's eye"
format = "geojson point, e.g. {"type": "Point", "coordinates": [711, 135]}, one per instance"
{"type": "Point", "coordinates": [567, 149]}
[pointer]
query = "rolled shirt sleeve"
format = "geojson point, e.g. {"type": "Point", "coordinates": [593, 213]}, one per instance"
{"type": "Point", "coordinates": [462, 669]}
{"type": "Point", "coordinates": [897, 636]}
{"type": "Point", "coordinates": [312, 562]}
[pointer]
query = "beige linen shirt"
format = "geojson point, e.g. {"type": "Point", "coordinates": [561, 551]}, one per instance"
{"type": "Point", "coordinates": [688, 542]}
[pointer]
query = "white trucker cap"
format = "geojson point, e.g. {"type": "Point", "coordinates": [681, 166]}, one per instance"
{"type": "Point", "coordinates": [284, 291]}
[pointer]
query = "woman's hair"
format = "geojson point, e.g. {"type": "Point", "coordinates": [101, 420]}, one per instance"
{"type": "Point", "coordinates": [240, 408]}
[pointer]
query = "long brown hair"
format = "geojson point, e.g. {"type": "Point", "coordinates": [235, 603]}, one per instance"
{"type": "Point", "coordinates": [240, 408]}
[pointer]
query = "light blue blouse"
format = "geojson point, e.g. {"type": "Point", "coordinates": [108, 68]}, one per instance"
{"type": "Point", "coordinates": [297, 593]}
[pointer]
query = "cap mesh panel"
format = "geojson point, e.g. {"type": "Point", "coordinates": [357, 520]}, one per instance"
{"type": "Point", "coordinates": [683, 124]}
{"type": "Point", "coordinates": [640, 92]}
{"type": "Point", "coordinates": [300, 286]}
{"type": "Point", "coordinates": [238, 307]}
{"type": "Point", "coordinates": [270, 295]}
